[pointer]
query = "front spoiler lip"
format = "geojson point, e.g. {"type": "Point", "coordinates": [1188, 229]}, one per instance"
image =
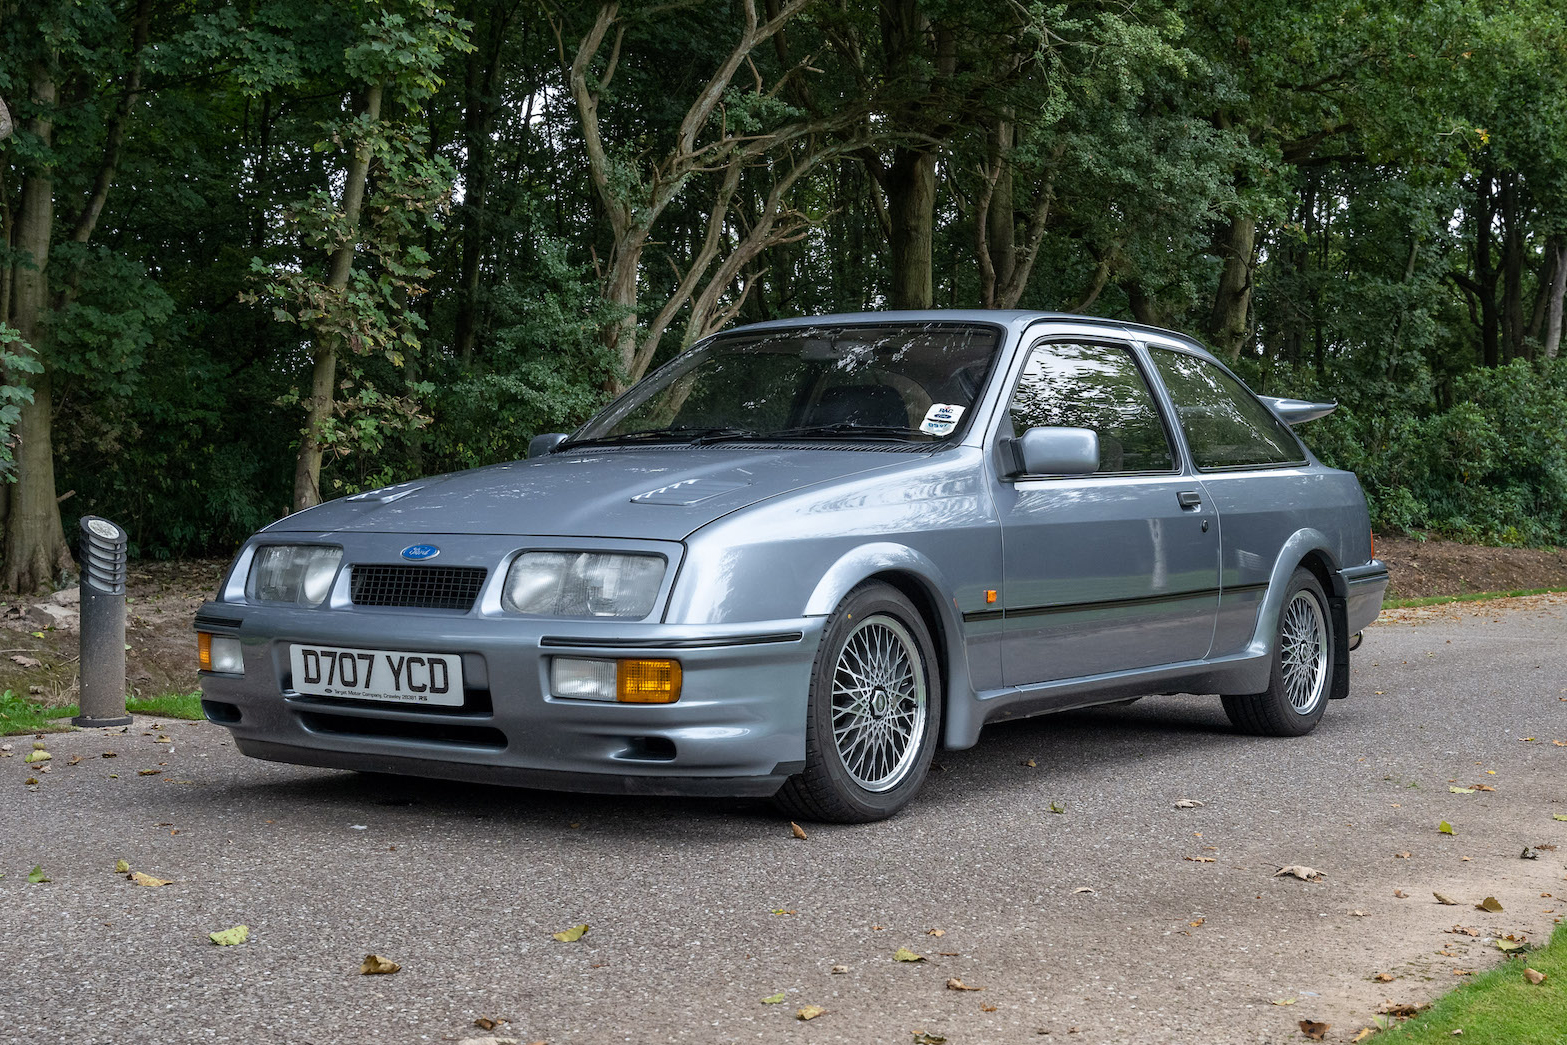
{"type": "Point", "coordinates": [760, 786]}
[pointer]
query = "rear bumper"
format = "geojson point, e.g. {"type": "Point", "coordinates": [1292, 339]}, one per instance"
{"type": "Point", "coordinates": [737, 729]}
{"type": "Point", "coordinates": [1363, 590]}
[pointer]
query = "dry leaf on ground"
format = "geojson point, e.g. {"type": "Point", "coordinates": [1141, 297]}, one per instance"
{"type": "Point", "coordinates": [773, 999]}
{"type": "Point", "coordinates": [1443, 898]}
{"type": "Point", "coordinates": [571, 935]}
{"type": "Point", "coordinates": [489, 1022]}
{"type": "Point", "coordinates": [1365, 1032]}
{"type": "Point", "coordinates": [935, 932]}
{"type": "Point", "coordinates": [1199, 859]}
{"type": "Point", "coordinates": [148, 880]}
{"type": "Point", "coordinates": [1400, 894]}
{"type": "Point", "coordinates": [1313, 1030]}
{"type": "Point", "coordinates": [796, 829]}
{"type": "Point", "coordinates": [839, 970]}
{"type": "Point", "coordinates": [1188, 803]}
{"type": "Point", "coordinates": [121, 867]}
{"type": "Point", "coordinates": [1534, 976]}
{"type": "Point", "coordinates": [375, 965]}
{"type": "Point", "coordinates": [903, 954]}
{"type": "Point", "coordinates": [1082, 889]}
{"type": "Point", "coordinates": [955, 984]}
{"type": "Point", "coordinates": [1462, 790]}
{"type": "Point", "coordinates": [37, 756]}
{"type": "Point", "coordinates": [36, 876]}
{"type": "Point", "coordinates": [1490, 903]}
{"type": "Point", "coordinates": [926, 1038]}
{"type": "Point", "coordinates": [809, 1012]}
{"type": "Point", "coordinates": [1401, 856]}
{"type": "Point", "coordinates": [1305, 874]}
{"type": "Point", "coordinates": [230, 937]}
{"type": "Point", "coordinates": [1444, 828]}
{"type": "Point", "coordinates": [1383, 977]}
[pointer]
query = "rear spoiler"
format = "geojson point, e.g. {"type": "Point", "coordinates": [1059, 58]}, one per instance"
{"type": "Point", "coordinates": [1298, 411]}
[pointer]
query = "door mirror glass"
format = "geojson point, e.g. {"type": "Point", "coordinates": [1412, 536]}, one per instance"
{"type": "Point", "coordinates": [1058, 451]}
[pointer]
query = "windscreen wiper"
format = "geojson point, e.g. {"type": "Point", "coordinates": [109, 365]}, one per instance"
{"type": "Point", "coordinates": [839, 428]}
{"type": "Point", "coordinates": [695, 434]}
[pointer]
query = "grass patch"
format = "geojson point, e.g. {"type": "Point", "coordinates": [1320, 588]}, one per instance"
{"type": "Point", "coordinates": [1474, 596]}
{"type": "Point", "coordinates": [1501, 1007]}
{"type": "Point", "coordinates": [19, 715]}
{"type": "Point", "coordinates": [170, 705]}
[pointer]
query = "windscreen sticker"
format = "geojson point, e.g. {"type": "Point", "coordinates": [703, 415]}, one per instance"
{"type": "Point", "coordinates": [941, 418]}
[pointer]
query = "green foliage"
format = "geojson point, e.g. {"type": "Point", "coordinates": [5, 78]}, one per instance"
{"type": "Point", "coordinates": [16, 362]}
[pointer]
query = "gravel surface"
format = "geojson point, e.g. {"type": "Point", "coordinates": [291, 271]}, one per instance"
{"type": "Point", "coordinates": [700, 909]}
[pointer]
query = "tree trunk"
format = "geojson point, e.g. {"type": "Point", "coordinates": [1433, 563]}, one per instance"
{"type": "Point", "coordinates": [479, 83]}
{"type": "Point", "coordinates": [1000, 216]}
{"type": "Point", "coordinates": [1553, 322]}
{"type": "Point", "coordinates": [1232, 301]}
{"type": "Point", "coordinates": [911, 202]}
{"type": "Point", "coordinates": [1512, 271]}
{"type": "Point", "coordinates": [323, 376]}
{"type": "Point", "coordinates": [36, 550]}
{"type": "Point", "coordinates": [1485, 270]}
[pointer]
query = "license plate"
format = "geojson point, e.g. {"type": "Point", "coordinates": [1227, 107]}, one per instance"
{"type": "Point", "coordinates": [367, 674]}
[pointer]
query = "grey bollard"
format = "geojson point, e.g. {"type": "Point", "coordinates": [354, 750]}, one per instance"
{"type": "Point", "coordinates": [102, 625]}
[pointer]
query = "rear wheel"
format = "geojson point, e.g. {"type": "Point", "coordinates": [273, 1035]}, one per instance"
{"type": "Point", "coordinates": [873, 714]}
{"type": "Point", "coordinates": [1297, 692]}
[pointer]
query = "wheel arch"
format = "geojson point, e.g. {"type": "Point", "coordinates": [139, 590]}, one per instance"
{"type": "Point", "coordinates": [1311, 550]}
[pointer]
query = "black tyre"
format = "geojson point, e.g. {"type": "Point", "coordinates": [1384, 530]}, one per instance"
{"type": "Point", "coordinates": [874, 712]}
{"type": "Point", "coordinates": [1297, 692]}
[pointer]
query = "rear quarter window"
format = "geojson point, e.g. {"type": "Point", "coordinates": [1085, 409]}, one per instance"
{"type": "Point", "coordinates": [1226, 425]}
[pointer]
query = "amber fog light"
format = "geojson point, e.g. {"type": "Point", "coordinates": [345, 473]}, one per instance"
{"type": "Point", "coordinates": [220, 653]}
{"type": "Point", "coordinates": [647, 681]}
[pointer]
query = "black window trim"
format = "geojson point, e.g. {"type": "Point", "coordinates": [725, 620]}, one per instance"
{"type": "Point", "coordinates": [1303, 462]}
{"type": "Point", "coordinates": [1178, 466]}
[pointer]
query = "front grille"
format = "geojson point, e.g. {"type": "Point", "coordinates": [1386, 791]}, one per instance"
{"type": "Point", "coordinates": [427, 587]}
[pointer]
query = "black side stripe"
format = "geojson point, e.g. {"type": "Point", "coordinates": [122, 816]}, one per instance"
{"type": "Point", "coordinates": [1110, 604]}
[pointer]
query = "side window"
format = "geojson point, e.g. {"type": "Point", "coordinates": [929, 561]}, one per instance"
{"type": "Point", "coordinates": [1098, 387]}
{"type": "Point", "coordinates": [1225, 425]}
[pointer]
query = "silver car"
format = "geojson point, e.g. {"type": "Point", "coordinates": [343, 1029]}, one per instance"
{"type": "Point", "coordinates": [798, 558]}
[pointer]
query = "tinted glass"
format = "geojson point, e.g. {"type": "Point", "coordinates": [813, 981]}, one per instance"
{"type": "Point", "coordinates": [912, 382]}
{"type": "Point", "coordinates": [1101, 388]}
{"type": "Point", "coordinates": [1225, 425]}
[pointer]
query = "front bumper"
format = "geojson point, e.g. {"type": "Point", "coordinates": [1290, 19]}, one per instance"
{"type": "Point", "coordinates": [1364, 587]}
{"type": "Point", "coordinates": [737, 729]}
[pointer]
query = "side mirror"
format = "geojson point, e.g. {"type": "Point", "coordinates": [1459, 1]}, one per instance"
{"type": "Point", "coordinates": [540, 445]}
{"type": "Point", "coordinates": [1058, 451]}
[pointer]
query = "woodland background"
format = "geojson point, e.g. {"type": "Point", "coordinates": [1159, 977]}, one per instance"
{"type": "Point", "coordinates": [255, 253]}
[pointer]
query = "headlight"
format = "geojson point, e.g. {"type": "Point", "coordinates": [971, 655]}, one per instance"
{"type": "Point", "coordinates": [297, 573]}
{"type": "Point", "coordinates": [583, 584]}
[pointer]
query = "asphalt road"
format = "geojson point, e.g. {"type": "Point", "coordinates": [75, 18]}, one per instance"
{"type": "Point", "coordinates": [700, 909]}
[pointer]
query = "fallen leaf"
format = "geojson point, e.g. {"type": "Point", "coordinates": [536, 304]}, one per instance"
{"type": "Point", "coordinates": [121, 867]}
{"type": "Point", "coordinates": [571, 935]}
{"type": "Point", "coordinates": [1462, 790]}
{"type": "Point", "coordinates": [773, 999]}
{"type": "Point", "coordinates": [784, 911]}
{"type": "Point", "coordinates": [1030, 763]}
{"type": "Point", "coordinates": [1383, 977]}
{"type": "Point", "coordinates": [1533, 976]}
{"type": "Point", "coordinates": [110, 754]}
{"type": "Point", "coordinates": [903, 954]}
{"type": "Point", "coordinates": [1443, 898]}
{"type": "Point", "coordinates": [1484, 787]}
{"type": "Point", "coordinates": [1510, 945]}
{"type": "Point", "coordinates": [1285, 1001]}
{"type": "Point", "coordinates": [30, 781]}
{"type": "Point", "coordinates": [1080, 890]}
{"type": "Point", "coordinates": [1314, 1030]}
{"type": "Point", "coordinates": [1188, 803]}
{"type": "Point", "coordinates": [1359, 914]}
{"type": "Point", "coordinates": [1305, 874]}
{"type": "Point", "coordinates": [37, 756]}
{"type": "Point", "coordinates": [1402, 1010]}
{"type": "Point", "coordinates": [796, 829]}
{"type": "Point", "coordinates": [230, 937]}
{"type": "Point", "coordinates": [1463, 972]}
{"type": "Point", "coordinates": [375, 965]}
{"type": "Point", "coordinates": [1444, 828]}
{"type": "Point", "coordinates": [1528, 854]}
{"type": "Point", "coordinates": [1526, 740]}
{"type": "Point", "coordinates": [1400, 894]}
{"type": "Point", "coordinates": [1197, 924]}
{"type": "Point", "coordinates": [1199, 859]}
{"type": "Point", "coordinates": [36, 876]}
{"type": "Point", "coordinates": [24, 661]}
{"type": "Point", "coordinates": [489, 1022]}
{"type": "Point", "coordinates": [39, 745]}
{"type": "Point", "coordinates": [935, 932]}
{"type": "Point", "coordinates": [1559, 816]}
{"type": "Point", "coordinates": [1365, 1032]}
{"type": "Point", "coordinates": [987, 1008]}
{"type": "Point", "coordinates": [148, 772]}
{"type": "Point", "coordinates": [955, 984]}
{"type": "Point", "coordinates": [1401, 856]}
{"type": "Point", "coordinates": [1560, 743]}
{"type": "Point", "coordinates": [1054, 808]}
{"type": "Point", "coordinates": [148, 880]}
{"type": "Point", "coordinates": [1490, 903]}
{"type": "Point", "coordinates": [924, 1038]}
{"type": "Point", "coordinates": [809, 1012]}
{"type": "Point", "coordinates": [839, 970]}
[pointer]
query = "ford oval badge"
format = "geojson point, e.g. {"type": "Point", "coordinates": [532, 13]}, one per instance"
{"type": "Point", "coordinates": [420, 552]}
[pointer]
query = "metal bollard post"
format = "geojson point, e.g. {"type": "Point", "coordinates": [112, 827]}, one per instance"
{"type": "Point", "coordinates": [102, 642]}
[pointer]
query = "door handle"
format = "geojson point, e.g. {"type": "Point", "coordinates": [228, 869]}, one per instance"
{"type": "Point", "coordinates": [1189, 499]}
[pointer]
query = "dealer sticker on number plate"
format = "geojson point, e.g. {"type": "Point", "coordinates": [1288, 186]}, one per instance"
{"type": "Point", "coordinates": [367, 674]}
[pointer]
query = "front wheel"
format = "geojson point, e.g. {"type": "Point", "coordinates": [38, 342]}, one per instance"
{"type": "Point", "coordinates": [1297, 690]}
{"type": "Point", "coordinates": [873, 714]}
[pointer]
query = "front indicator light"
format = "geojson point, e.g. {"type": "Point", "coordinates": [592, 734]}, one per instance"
{"type": "Point", "coordinates": [647, 682]}
{"type": "Point", "coordinates": [221, 653]}
{"type": "Point", "coordinates": [619, 681]}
